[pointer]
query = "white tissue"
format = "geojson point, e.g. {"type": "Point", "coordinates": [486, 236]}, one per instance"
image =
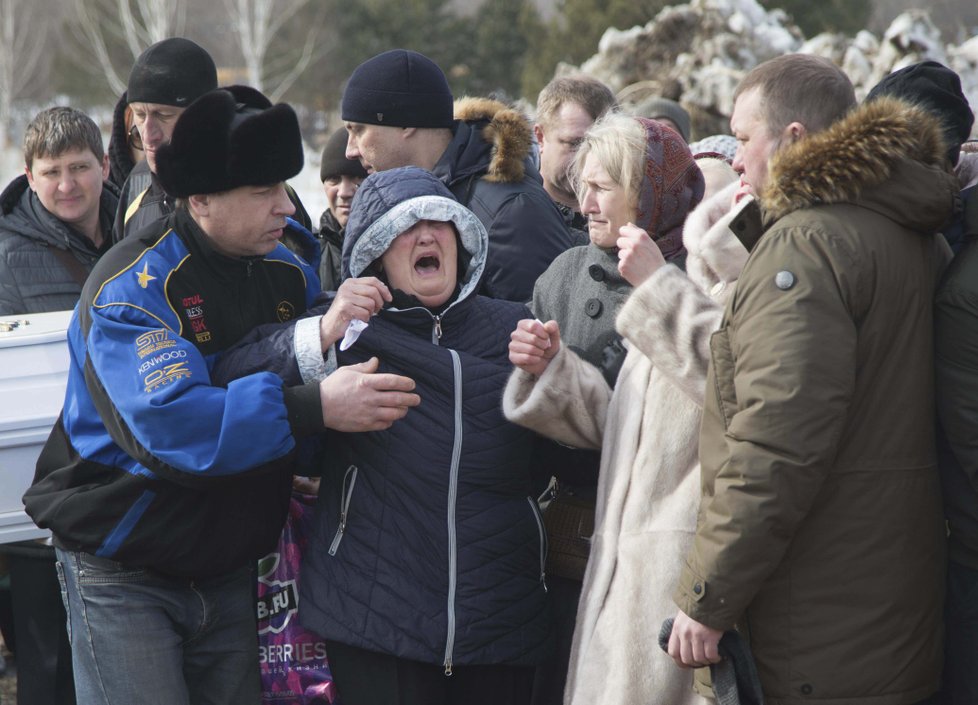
{"type": "Point", "coordinates": [353, 331]}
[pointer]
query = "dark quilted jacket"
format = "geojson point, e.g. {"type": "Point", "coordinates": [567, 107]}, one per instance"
{"type": "Point", "coordinates": [33, 279]}
{"type": "Point", "coordinates": [433, 547]}
{"type": "Point", "coordinates": [429, 545]}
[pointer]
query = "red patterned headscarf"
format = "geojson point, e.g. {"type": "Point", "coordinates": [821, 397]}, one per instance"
{"type": "Point", "coordinates": [672, 185]}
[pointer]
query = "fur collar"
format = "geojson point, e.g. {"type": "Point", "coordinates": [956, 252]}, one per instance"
{"type": "Point", "coordinates": [508, 131]}
{"type": "Point", "coordinates": [856, 154]}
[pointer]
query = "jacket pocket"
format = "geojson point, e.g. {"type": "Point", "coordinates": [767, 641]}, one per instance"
{"type": "Point", "coordinates": [542, 533]}
{"type": "Point", "coordinates": [723, 374]}
{"type": "Point", "coordinates": [349, 482]}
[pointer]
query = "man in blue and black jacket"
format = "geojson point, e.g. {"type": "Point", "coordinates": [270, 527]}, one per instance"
{"type": "Point", "coordinates": [160, 487]}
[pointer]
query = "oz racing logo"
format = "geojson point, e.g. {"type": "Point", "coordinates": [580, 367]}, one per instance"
{"type": "Point", "coordinates": [165, 375]}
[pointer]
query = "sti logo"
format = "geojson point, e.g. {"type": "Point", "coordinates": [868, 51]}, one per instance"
{"type": "Point", "coordinates": [153, 342]}
{"type": "Point", "coordinates": [279, 599]}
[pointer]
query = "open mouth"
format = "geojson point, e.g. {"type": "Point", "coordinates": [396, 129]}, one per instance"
{"type": "Point", "coordinates": [427, 264]}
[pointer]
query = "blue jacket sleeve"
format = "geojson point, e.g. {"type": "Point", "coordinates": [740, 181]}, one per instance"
{"type": "Point", "coordinates": [154, 394]}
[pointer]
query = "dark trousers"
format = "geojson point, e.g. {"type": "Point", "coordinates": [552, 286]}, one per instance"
{"type": "Point", "coordinates": [551, 675]}
{"type": "Point", "coordinates": [369, 678]}
{"type": "Point", "coordinates": [44, 675]}
{"type": "Point", "coordinates": [961, 636]}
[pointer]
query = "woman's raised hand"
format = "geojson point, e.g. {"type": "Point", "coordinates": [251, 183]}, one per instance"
{"type": "Point", "coordinates": [638, 256]}
{"type": "Point", "coordinates": [533, 345]}
{"type": "Point", "coordinates": [359, 299]}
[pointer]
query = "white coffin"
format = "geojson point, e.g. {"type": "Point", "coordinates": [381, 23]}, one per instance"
{"type": "Point", "coordinates": [33, 375]}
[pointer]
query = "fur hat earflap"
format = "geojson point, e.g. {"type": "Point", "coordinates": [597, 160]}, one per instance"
{"type": "Point", "coordinates": [220, 143]}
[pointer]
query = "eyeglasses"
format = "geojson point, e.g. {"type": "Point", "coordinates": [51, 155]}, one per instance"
{"type": "Point", "coordinates": [135, 141]}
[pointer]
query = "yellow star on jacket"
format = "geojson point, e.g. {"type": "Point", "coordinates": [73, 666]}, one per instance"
{"type": "Point", "coordinates": [144, 276]}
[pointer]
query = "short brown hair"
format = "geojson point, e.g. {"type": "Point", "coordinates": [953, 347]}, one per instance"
{"type": "Point", "coordinates": [800, 88]}
{"type": "Point", "coordinates": [57, 130]}
{"type": "Point", "coordinates": [590, 93]}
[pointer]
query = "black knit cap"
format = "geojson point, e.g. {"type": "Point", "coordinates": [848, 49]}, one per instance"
{"type": "Point", "coordinates": [334, 161]}
{"type": "Point", "coordinates": [175, 71]}
{"type": "Point", "coordinates": [229, 138]}
{"type": "Point", "coordinates": [400, 88]}
{"type": "Point", "coordinates": [937, 89]}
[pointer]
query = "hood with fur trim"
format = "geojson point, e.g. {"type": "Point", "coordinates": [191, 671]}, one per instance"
{"type": "Point", "coordinates": [390, 202]}
{"type": "Point", "coordinates": [887, 155]}
{"type": "Point", "coordinates": [491, 140]}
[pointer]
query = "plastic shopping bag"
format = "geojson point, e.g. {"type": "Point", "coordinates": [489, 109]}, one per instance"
{"type": "Point", "coordinates": [294, 667]}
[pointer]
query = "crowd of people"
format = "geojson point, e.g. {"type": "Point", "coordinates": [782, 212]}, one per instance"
{"type": "Point", "coordinates": [594, 412]}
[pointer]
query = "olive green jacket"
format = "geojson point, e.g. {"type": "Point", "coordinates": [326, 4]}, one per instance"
{"type": "Point", "coordinates": [820, 532]}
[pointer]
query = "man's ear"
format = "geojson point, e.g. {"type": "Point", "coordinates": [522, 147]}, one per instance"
{"type": "Point", "coordinates": [408, 132]}
{"type": "Point", "coordinates": [793, 132]}
{"type": "Point", "coordinates": [199, 204]}
{"type": "Point", "coordinates": [105, 167]}
{"type": "Point", "coordinates": [30, 178]}
{"type": "Point", "coordinates": [538, 133]}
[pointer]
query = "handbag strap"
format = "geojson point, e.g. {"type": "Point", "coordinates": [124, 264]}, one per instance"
{"type": "Point", "coordinates": [74, 267]}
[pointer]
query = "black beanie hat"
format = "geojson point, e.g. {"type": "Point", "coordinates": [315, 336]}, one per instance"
{"type": "Point", "coordinates": [175, 71]}
{"type": "Point", "coordinates": [937, 89]}
{"type": "Point", "coordinates": [229, 138]}
{"type": "Point", "coordinates": [335, 163]}
{"type": "Point", "coordinates": [401, 88]}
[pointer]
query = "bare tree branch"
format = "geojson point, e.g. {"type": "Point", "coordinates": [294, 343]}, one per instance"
{"type": "Point", "coordinates": [285, 82]}
{"type": "Point", "coordinates": [256, 24]}
{"type": "Point", "coordinates": [103, 24]}
{"type": "Point", "coordinates": [23, 30]}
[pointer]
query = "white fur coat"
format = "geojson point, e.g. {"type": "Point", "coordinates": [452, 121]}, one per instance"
{"type": "Point", "coordinates": [648, 490]}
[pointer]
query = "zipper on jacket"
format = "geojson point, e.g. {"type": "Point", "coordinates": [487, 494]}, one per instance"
{"type": "Point", "coordinates": [452, 499]}
{"type": "Point", "coordinates": [347, 493]}
{"type": "Point", "coordinates": [436, 331]}
{"type": "Point", "coordinates": [542, 531]}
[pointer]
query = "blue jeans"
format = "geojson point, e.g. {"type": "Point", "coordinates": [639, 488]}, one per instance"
{"type": "Point", "coordinates": [139, 637]}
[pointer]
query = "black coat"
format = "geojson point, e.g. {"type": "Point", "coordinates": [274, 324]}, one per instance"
{"type": "Point", "coordinates": [487, 166]}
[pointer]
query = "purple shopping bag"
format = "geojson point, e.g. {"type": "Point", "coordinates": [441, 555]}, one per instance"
{"type": "Point", "coordinates": [294, 668]}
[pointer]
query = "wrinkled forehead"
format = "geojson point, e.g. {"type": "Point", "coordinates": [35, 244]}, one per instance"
{"type": "Point", "coordinates": [142, 110]}
{"type": "Point", "coordinates": [749, 114]}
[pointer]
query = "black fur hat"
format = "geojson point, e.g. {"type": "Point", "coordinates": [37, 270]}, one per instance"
{"type": "Point", "coordinates": [229, 138]}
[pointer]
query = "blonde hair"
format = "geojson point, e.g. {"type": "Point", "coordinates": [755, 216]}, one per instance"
{"type": "Point", "coordinates": [617, 142]}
